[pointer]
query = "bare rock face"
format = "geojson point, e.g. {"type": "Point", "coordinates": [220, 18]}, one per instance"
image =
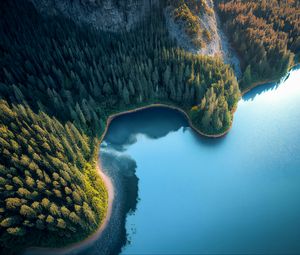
{"type": "Point", "coordinates": [218, 45]}
{"type": "Point", "coordinates": [204, 20]}
{"type": "Point", "coordinates": [111, 15]}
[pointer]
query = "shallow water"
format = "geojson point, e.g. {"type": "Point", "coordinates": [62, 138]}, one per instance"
{"type": "Point", "coordinates": [237, 194]}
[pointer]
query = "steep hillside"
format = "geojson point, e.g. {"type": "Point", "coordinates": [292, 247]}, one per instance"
{"type": "Point", "coordinates": [59, 82]}
{"type": "Point", "coordinates": [111, 15]}
{"type": "Point", "coordinates": [195, 26]}
{"type": "Point", "coordinates": [193, 23]}
{"type": "Point", "coordinates": [266, 35]}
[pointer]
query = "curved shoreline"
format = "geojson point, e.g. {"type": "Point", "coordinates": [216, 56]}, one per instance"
{"type": "Point", "coordinates": [164, 105]}
{"type": "Point", "coordinates": [264, 82]}
{"type": "Point", "coordinates": [258, 84]}
{"type": "Point", "coordinates": [107, 180]}
{"type": "Point", "coordinates": [95, 235]}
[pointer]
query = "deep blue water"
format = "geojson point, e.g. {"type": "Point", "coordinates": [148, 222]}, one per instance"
{"type": "Point", "coordinates": [237, 194]}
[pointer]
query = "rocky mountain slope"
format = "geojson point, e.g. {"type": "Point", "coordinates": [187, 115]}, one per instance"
{"type": "Point", "coordinates": [196, 27]}
{"type": "Point", "coordinates": [193, 24]}
{"type": "Point", "coordinates": [112, 15]}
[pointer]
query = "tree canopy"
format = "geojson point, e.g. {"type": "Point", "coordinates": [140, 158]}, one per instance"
{"type": "Point", "coordinates": [266, 35]}
{"type": "Point", "coordinates": [58, 84]}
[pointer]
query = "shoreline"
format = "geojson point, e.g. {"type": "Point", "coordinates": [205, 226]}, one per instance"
{"type": "Point", "coordinates": [264, 82]}
{"type": "Point", "coordinates": [258, 84]}
{"type": "Point", "coordinates": [95, 235]}
{"type": "Point", "coordinates": [107, 180]}
{"type": "Point", "coordinates": [164, 105]}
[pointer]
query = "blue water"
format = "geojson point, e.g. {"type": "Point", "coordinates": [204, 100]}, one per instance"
{"type": "Point", "coordinates": [237, 194]}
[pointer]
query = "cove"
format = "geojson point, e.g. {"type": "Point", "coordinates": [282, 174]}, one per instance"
{"type": "Point", "coordinates": [179, 193]}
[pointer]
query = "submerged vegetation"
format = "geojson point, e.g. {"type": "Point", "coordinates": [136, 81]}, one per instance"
{"type": "Point", "coordinates": [266, 35]}
{"type": "Point", "coordinates": [59, 82]}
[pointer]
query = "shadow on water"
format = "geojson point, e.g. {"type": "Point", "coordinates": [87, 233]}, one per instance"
{"type": "Point", "coordinates": [250, 96]}
{"type": "Point", "coordinates": [154, 123]}
{"type": "Point", "coordinates": [271, 86]}
{"type": "Point", "coordinates": [122, 171]}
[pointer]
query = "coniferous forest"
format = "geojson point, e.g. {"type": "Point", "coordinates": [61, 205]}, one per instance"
{"type": "Point", "coordinates": [59, 82]}
{"type": "Point", "coordinates": [266, 35]}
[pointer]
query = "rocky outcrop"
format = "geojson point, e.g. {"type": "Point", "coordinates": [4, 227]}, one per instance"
{"type": "Point", "coordinates": [217, 45]}
{"type": "Point", "coordinates": [203, 19]}
{"type": "Point", "coordinates": [111, 15]}
{"type": "Point", "coordinates": [116, 15]}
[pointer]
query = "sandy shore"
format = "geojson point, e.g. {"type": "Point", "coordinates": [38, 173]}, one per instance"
{"type": "Point", "coordinates": [94, 236]}
{"type": "Point", "coordinates": [109, 186]}
{"type": "Point", "coordinates": [108, 183]}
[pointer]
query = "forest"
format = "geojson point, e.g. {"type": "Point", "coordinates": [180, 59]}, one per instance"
{"type": "Point", "coordinates": [59, 82]}
{"type": "Point", "coordinates": [266, 35]}
{"type": "Point", "coordinates": [47, 183]}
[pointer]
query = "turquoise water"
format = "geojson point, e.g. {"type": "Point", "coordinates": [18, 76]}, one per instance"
{"type": "Point", "coordinates": [237, 194]}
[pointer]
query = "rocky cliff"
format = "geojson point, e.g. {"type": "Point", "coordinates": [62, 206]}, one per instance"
{"type": "Point", "coordinates": [112, 15]}
{"type": "Point", "coordinates": [196, 27]}
{"type": "Point", "coordinates": [115, 15]}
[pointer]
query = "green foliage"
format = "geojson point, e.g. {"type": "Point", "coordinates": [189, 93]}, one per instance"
{"type": "Point", "coordinates": [192, 25]}
{"type": "Point", "coordinates": [58, 84]}
{"type": "Point", "coordinates": [27, 211]}
{"type": "Point", "coordinates": [266, 35]}
{"type": "Point", "coordinates": [17, 231]}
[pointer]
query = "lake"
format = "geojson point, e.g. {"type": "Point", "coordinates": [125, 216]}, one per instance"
{"type": "Point", "coordinates": [179, 193]}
